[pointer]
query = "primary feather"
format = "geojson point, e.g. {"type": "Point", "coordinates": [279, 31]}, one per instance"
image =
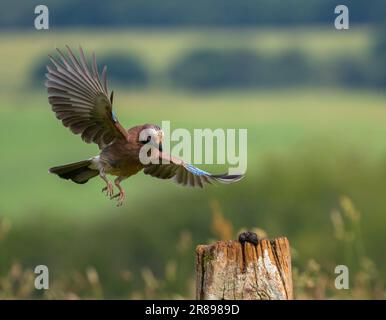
{"type": "Point", "coordinates": [80, 99]}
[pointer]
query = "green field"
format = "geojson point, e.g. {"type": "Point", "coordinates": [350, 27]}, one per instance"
{"type": "Point", "coordinates": [281, 123]}
{"type": "Point", "coordinates": [306, 148]}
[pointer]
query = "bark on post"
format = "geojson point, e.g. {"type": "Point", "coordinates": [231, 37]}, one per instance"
{"type": "Point", "coordinates": [233, 271]}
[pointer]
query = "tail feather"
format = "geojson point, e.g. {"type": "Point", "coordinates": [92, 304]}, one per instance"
{"type": "Point", "coordinates": [79, 172]}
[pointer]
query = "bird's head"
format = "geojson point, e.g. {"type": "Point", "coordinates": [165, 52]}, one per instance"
{"type": "Point", "coordinates": [151, 134]}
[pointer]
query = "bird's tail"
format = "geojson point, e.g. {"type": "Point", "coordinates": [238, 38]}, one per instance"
{"type": "Point", "coordinates": [79, 172]}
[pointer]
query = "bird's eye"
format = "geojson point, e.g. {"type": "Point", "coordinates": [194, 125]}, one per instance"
{"type": "Point", "coordinates": [148, 139]}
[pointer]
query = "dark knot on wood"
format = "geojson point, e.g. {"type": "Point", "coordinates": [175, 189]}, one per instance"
{"type": "Point", "coordinates": [249, 236]}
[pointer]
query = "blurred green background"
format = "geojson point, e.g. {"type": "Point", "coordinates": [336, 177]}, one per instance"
{"type": "Point", "coordinates": [312, 98]}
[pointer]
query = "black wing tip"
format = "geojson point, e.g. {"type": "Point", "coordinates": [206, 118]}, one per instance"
{"type": "Point", "coordinates": [228, 178]}
{"type": "Point", "coordinates": [111, 96]}
{"type": "Point", "coordinates": [53, 170]}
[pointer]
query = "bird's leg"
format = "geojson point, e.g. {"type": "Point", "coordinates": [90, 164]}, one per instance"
{"type": "Point", "coordinates": [109, 186]}
{"type": "Point", "coordinates": [121, 194]}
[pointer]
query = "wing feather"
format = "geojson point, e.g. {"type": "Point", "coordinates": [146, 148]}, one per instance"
{"type": "Point", "coordinates": [81, 100]}
{"type": "Point", "coordinates": [186, 174]}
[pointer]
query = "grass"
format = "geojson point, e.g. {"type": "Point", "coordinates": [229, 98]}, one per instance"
{"type": "Point", "coordinates": [175, 280]}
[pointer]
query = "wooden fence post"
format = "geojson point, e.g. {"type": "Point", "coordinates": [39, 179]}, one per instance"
{"type": "Point", "coordinates": [231, 270]}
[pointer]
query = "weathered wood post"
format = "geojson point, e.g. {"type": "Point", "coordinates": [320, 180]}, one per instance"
{"type": "Point", "coordinates": [232, 270]}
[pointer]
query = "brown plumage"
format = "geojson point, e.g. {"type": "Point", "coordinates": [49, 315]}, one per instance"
{"type": "Point", "coordinates": [80, 99]}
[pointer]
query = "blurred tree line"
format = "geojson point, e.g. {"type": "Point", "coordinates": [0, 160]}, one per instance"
{"type": "Point", "coordinates": [243, 68]}
{"type": "Point", "coordinates": [189, 13]}
{"type": "Point", "coordinates": [380, 59]}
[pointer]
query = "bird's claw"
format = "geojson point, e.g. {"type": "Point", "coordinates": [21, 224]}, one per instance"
{"type": "Point", "coordinates": [120, 196]}
{"type": "Point", "coordinates": [108, 189]}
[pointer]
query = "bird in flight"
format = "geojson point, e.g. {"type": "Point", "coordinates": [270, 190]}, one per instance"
{"type": "Point", "coordinates": [80, 99]}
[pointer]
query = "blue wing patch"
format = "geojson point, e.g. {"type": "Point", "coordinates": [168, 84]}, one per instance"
{"type": "Point", "coordinates": [114, 116]}
{"type": "Point", "coordinates": [196, 171]}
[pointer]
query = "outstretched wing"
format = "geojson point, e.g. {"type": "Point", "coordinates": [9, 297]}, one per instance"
{"type": "Point", "coordinates": [186, 174]}
{"type": "Point", "coordinates": [80, 100]}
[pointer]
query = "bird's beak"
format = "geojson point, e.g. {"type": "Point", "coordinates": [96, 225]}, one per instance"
{"type": "Point", "coordinates": [160, 138]}
{"type": "Point", "coordinates": [158, 142]}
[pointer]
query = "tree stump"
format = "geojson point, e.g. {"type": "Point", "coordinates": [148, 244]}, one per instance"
{"type": "Point", "coordinates": [230, 270]}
